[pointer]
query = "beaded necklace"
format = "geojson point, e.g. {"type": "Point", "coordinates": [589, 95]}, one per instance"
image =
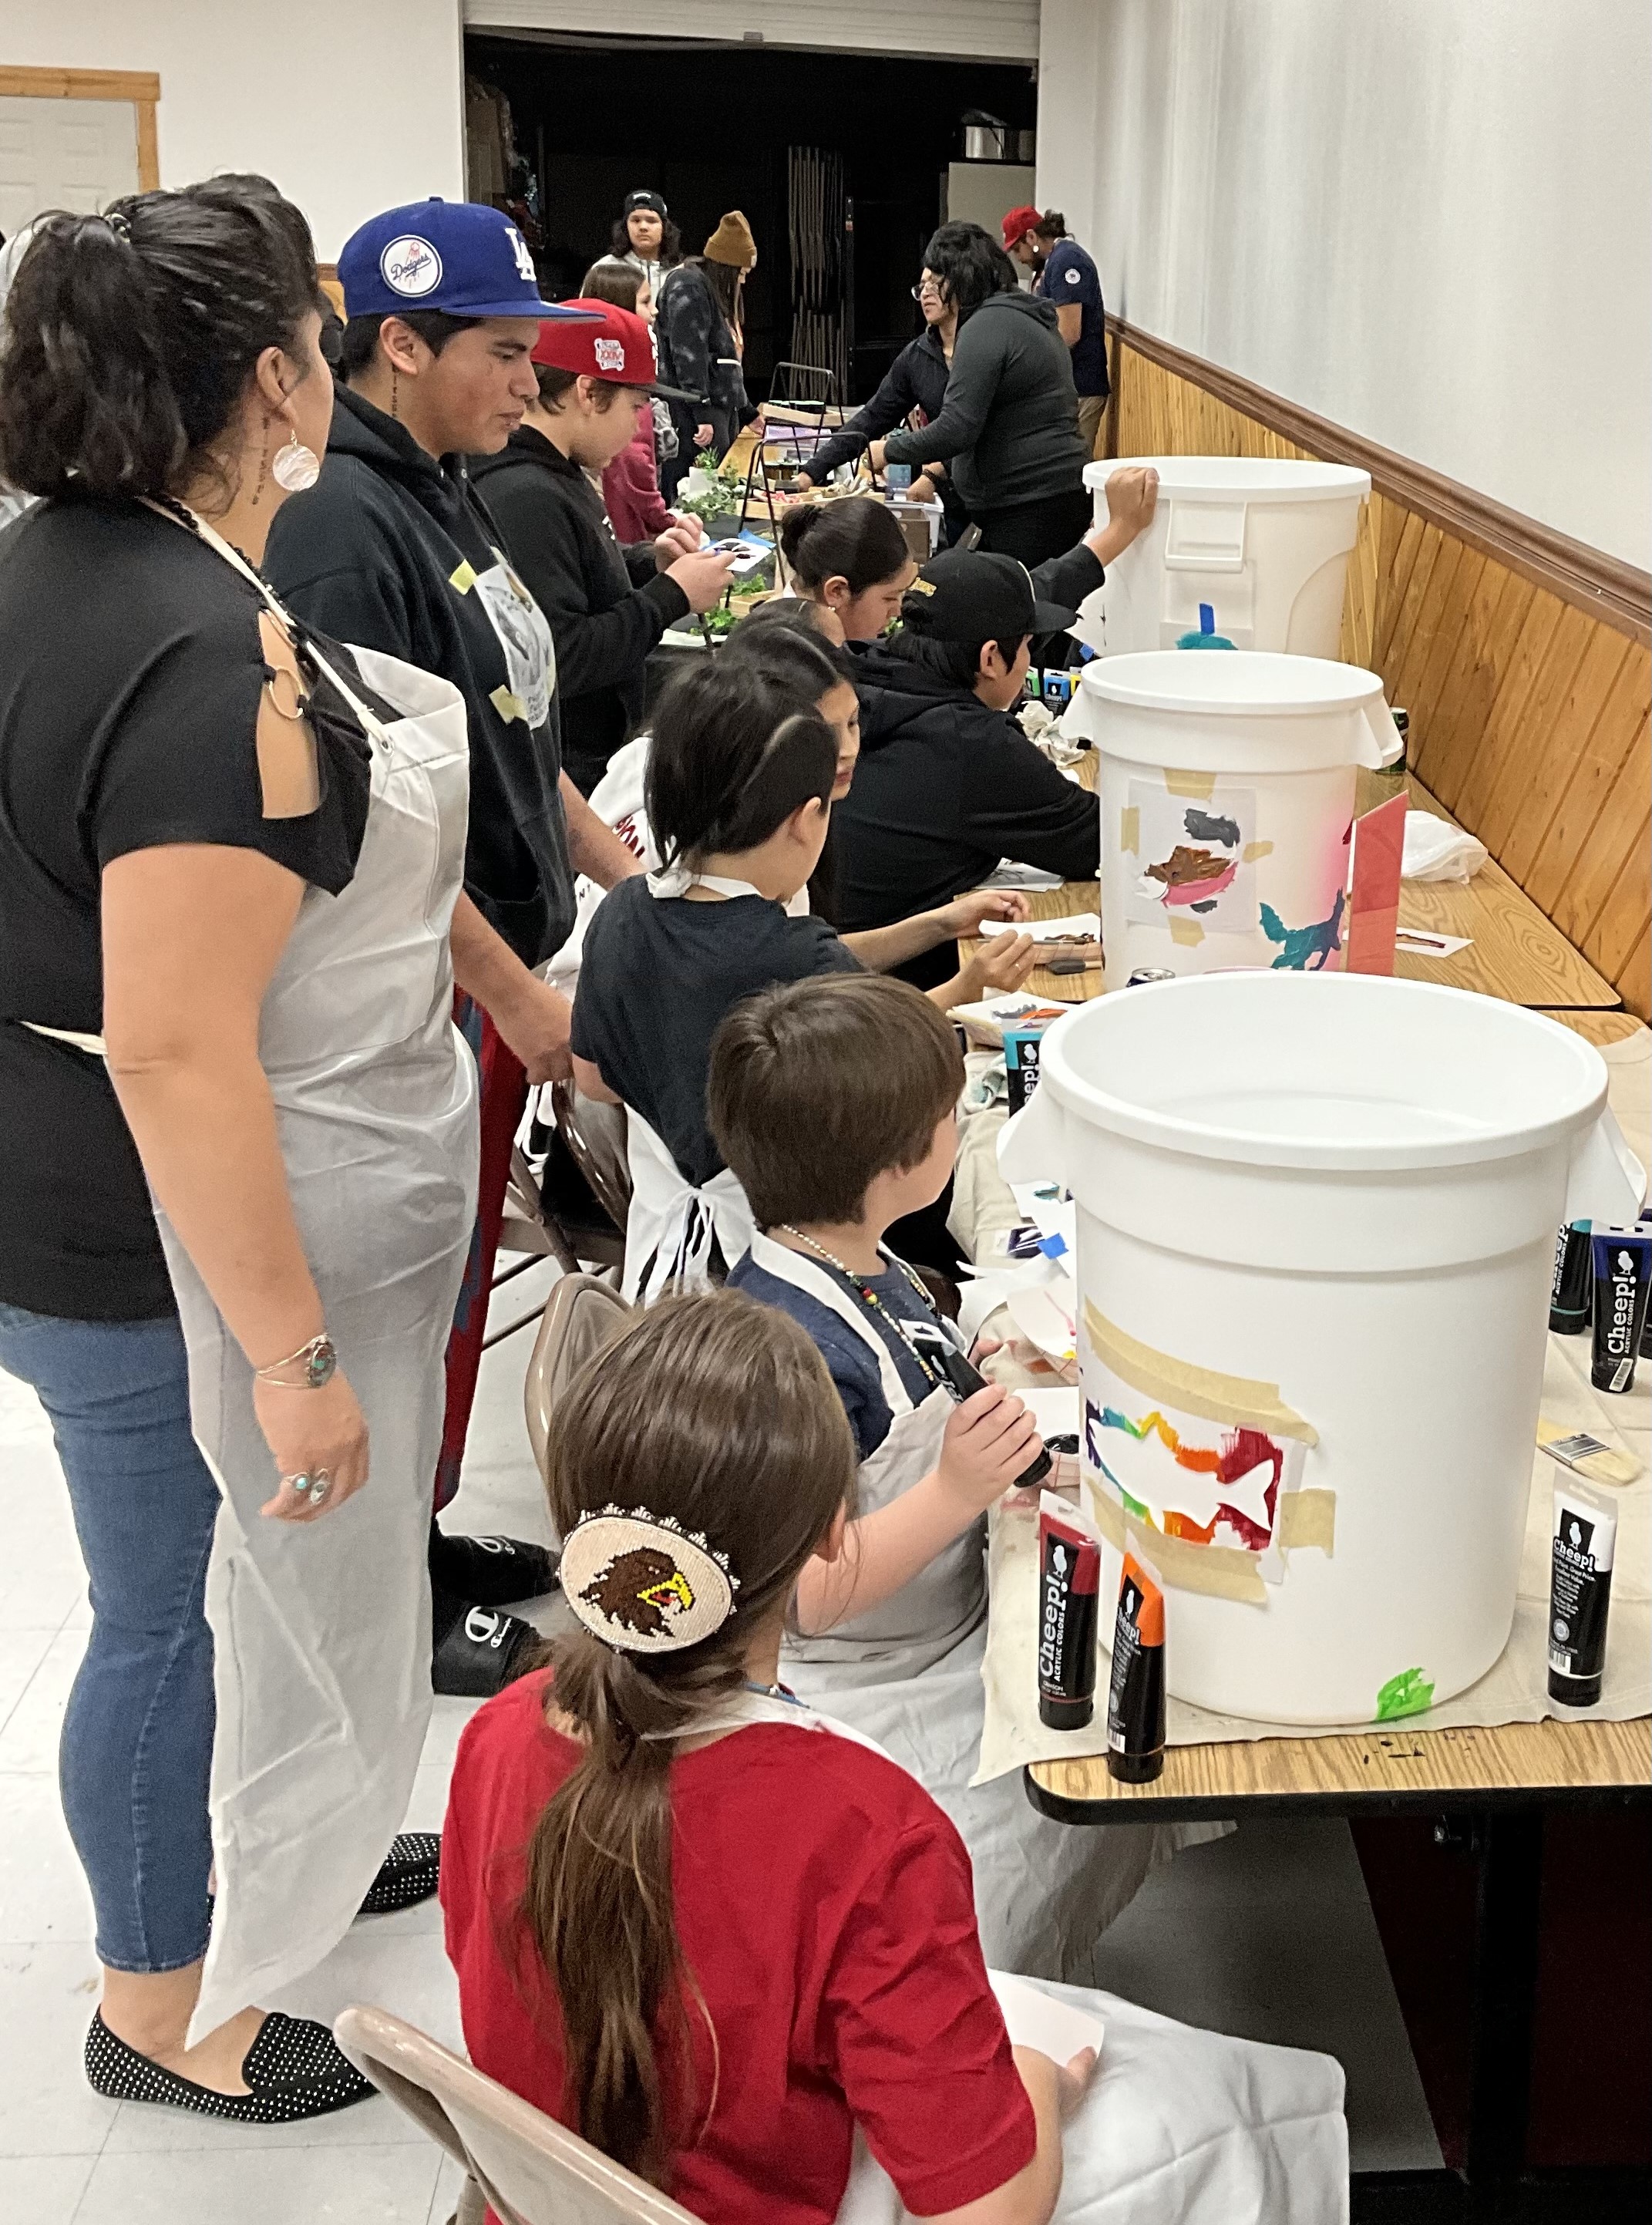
{"type": "Point", "coordinates": [873, 1303]}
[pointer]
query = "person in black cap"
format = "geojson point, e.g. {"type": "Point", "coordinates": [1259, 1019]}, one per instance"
{"type": "Point", "coordinates": [947, 784]}
{"type": "Point", "coordinates": [645, 236]}
{"type": "Point", "coordinates": [393, 550]}
{"type": "Point", "coordinates": [607, 603]}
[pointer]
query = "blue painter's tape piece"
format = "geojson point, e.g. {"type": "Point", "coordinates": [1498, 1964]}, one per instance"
{"type": "Point", "coordinates": [1207, 617]}
{"type": "Point", "coordinates": [1052, 1247]}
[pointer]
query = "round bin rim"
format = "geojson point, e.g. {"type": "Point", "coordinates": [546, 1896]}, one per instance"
{"type": "Point", "coordinates": [1309, 479]}
{"type": "Point", "coordinates": [1160, 680]}
{"type": "Point", "coordinates": [1172, 1133]}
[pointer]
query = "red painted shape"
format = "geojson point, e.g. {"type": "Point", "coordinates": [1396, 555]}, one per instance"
{"type": "Point", "coordinates": [1374, 902]}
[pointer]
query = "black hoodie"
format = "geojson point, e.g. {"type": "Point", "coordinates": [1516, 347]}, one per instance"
{"type": "Point", "coordinates": [607, 604]}
{"type": "Point", "coordinates": [1008, 426]}
{"type": "Point", "coordinates": [944, 789]}
{"type": "Point", "coordinates": [391, 551]}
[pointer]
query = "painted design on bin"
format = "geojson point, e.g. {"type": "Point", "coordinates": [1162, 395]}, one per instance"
{"type": "Point", "coordinates": [1305, 949]}
{"type": "Point", "coordinates": [1244, 1503]}
{"type": "Point", "coordinates": [1407, 1694]}
{"type": "Point", "coordinates": [1199, 855]}
{"type": "Point", "coordinates": [1214, 1506]}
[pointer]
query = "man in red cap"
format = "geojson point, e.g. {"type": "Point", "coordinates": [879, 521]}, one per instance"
{"type": "Point", "coordinates": [1065, 275]}
{"type": "Point", "coordinates": [607, 603]}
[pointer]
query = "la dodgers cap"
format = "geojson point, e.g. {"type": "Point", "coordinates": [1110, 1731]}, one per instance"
{"type": "Point", "coordinates": [615, 344]}
{"type": "Point", "coordinates": [462, 257]}
{"type": "Point", "coordinates": [970, 594]}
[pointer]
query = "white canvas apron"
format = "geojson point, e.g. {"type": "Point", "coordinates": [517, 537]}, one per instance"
{"type": "Point", "coordinates": [1043, 1892]}
{"type": "Point", "coordinates": [671, 1223]}
{"type": "Point", "coordinates": [322, 1629]}
{"type": "Point", "coordinates": [1176, 2121]}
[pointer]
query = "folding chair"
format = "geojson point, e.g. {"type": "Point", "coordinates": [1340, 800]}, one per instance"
{"type": "Point", "coordinates": [583, 1315]}
{"type": "Point", "coordinates": [523, 2165]}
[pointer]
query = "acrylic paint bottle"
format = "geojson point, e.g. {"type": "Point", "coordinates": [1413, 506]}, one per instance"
{"type": "Point", "coordinates": [1568, 1297]}
{"type": "Point", "coordinates": [1623, 1285]}
{"type": "Point", "coordinates": [1069, 1586]}
{"type": "Point", "coordinates": [1135, 1697]}
{"type": "Point", "coordinates": [1580, 1577]}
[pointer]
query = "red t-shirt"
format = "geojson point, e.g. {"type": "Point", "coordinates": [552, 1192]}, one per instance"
{"type": "Point", "coordinates": [824, 1905]}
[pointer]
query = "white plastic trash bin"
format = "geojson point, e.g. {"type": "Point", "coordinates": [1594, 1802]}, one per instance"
{"type": "Point", "coordinates": [1315, 1233]}
{"type": "Point", "coordinates": [1259, 542]}
{"type": "Point", "coordinates": [1227, 794]}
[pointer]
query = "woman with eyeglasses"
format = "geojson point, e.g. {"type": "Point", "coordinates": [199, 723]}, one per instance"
{"type": "Point", "coordinates": [1008, 429]}
{"type": "Point", "coordinates": [914, 387]}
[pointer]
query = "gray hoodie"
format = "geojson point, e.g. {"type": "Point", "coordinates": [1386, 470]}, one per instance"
{"type": "Point", "coordinates": [1008, 426]}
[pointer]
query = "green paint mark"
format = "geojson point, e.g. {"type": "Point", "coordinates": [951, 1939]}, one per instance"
{"type": "Point", "coordinates": [1407, 1694]}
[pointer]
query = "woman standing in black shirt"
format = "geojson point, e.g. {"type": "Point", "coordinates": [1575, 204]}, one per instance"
{"type": "Point", "coordinates": [226, 890]}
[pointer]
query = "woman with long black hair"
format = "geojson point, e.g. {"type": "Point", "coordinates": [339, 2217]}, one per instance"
{"type": "Point", "coordinates": [1008, 430]}
{"type": "Point", "coordinates": [231, 854]}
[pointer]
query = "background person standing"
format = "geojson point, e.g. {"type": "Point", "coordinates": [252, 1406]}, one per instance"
{"type": "Point", "coordinates": [1008, 426]}
{"type": "Point", "coordinates": [393, 550]}
{"type": "Point", "coordinates": [1064, 273]}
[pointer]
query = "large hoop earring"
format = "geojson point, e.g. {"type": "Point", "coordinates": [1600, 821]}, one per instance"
{"type": "Point", "coordinates": [296, 467]}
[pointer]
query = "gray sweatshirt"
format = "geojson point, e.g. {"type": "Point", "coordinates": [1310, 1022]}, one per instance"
{"type": "Point", "coordinates": [1008, 426]}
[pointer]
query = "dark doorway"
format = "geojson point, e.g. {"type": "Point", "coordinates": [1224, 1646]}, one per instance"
{"type": "Point", "coordinates": [710, 127]}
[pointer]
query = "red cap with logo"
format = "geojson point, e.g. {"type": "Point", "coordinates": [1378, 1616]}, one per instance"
{"type": "Point", "coordinates": [1018, 224]}
{"type": "Point", "coordinates": [615, 345]}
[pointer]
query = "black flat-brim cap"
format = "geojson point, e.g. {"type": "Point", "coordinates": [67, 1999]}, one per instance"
{"type": "Point", "coordinates": [971, 595]}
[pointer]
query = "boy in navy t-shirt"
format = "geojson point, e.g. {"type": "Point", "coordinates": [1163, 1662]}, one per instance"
{"type": "Point", "coordinates": [1066, 275]}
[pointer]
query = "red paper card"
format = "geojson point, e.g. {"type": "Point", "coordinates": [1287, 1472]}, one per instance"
{"type": "Point", "coordinates": [1373, 901]}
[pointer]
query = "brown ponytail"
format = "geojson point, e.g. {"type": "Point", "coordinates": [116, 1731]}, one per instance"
{"type": "Point", "coordinates": [719, 1413]}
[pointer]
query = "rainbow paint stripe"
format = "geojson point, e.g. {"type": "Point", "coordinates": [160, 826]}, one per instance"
{"type": "Point", "coordinates": [1242, 1450]}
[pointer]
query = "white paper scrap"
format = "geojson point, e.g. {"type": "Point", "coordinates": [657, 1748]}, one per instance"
{"type": "Point", "coordinates": [1076, 927]}
{"type": "Point", "coordinates": [1420, 943]}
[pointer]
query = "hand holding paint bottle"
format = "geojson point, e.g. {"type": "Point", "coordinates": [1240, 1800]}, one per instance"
{"type": "Point", "coordinates": [991, 1441]}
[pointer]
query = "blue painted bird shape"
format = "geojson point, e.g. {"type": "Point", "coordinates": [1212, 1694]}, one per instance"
{"type": "Point", "coordinates": [1307, 949]}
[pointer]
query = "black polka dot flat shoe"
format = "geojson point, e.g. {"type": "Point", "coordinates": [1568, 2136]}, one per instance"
{"type": "Point", "coordinates": [409, 1873]}
{"type": "Point", "coordinates": [294, 2067]}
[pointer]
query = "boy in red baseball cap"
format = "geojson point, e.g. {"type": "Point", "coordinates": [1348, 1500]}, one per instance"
{"type": "Point", "coordinates": [607, 603]}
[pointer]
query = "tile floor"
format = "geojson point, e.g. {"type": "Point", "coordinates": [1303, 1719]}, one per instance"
{"type": "Point", "coordinates": [1304, 1966]}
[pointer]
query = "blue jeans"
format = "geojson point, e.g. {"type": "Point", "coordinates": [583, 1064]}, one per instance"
{"type": "Point", "coordinates": [137, 1739]}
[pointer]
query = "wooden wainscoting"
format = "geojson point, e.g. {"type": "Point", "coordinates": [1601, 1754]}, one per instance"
{"type": "Point", "coordinates": [1522, 657]}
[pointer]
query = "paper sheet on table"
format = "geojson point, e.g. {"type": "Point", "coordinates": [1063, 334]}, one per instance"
{"type": "Point", "coordinates": [1420, 943]}
{"type": "Point", "coordinates": [1055, 1411]}
{"type": "Point", "coordinates": [1074, 926]}
{"type": "Point", "coordinates": [1008, 874]}
{"type": "Point", "coordinates": [990, 1018]}
{"type": "Point", "coordinates": [1055, 1217]}
{"type": "Point", "coordinates": [1515, 1690]}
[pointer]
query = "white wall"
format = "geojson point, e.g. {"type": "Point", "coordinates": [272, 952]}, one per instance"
{"type": "Point", "coordinates": [349, 105]}
{"type": "Point", "coordinates": [1428, 221]}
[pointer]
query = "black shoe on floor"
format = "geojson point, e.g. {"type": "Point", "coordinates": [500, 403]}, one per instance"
{"type": "Point", "coordinates": [478, 1649]}
{"type": "Point", "coordinates": [410, 1873]}
{"type": "Point", "coordinates": [490, 1571]}
{"type": "Point", "coordinates": [294, 2067]}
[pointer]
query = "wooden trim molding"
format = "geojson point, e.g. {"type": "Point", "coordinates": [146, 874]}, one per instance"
{"type": "Point", "coordinates": [141, 87]}
{"type": "Point", "coordinates": [1617, 593]}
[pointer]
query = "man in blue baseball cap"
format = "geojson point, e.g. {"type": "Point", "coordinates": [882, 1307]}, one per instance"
{"type": "Point", "coordinates": [393, 550]}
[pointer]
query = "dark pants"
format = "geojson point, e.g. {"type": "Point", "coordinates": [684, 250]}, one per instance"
{"type": "Point", "coordinates": [1033, 532]}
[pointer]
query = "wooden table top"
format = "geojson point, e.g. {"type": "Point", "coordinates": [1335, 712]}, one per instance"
{"type": "Point", "coordinates": [1514, 953]}
{"type": "Point", "coordinates": [1382, 1766]}
{"type": "Point", "coordinates": [1602, 1028]}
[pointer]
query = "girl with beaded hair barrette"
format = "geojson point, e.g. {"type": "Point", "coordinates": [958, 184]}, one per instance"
{"type": "Point", "coordinates": [717, 1934]}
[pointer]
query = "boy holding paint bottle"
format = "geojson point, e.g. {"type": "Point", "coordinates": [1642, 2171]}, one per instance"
{"type": "Point", "coordinates": [834, 1099]}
